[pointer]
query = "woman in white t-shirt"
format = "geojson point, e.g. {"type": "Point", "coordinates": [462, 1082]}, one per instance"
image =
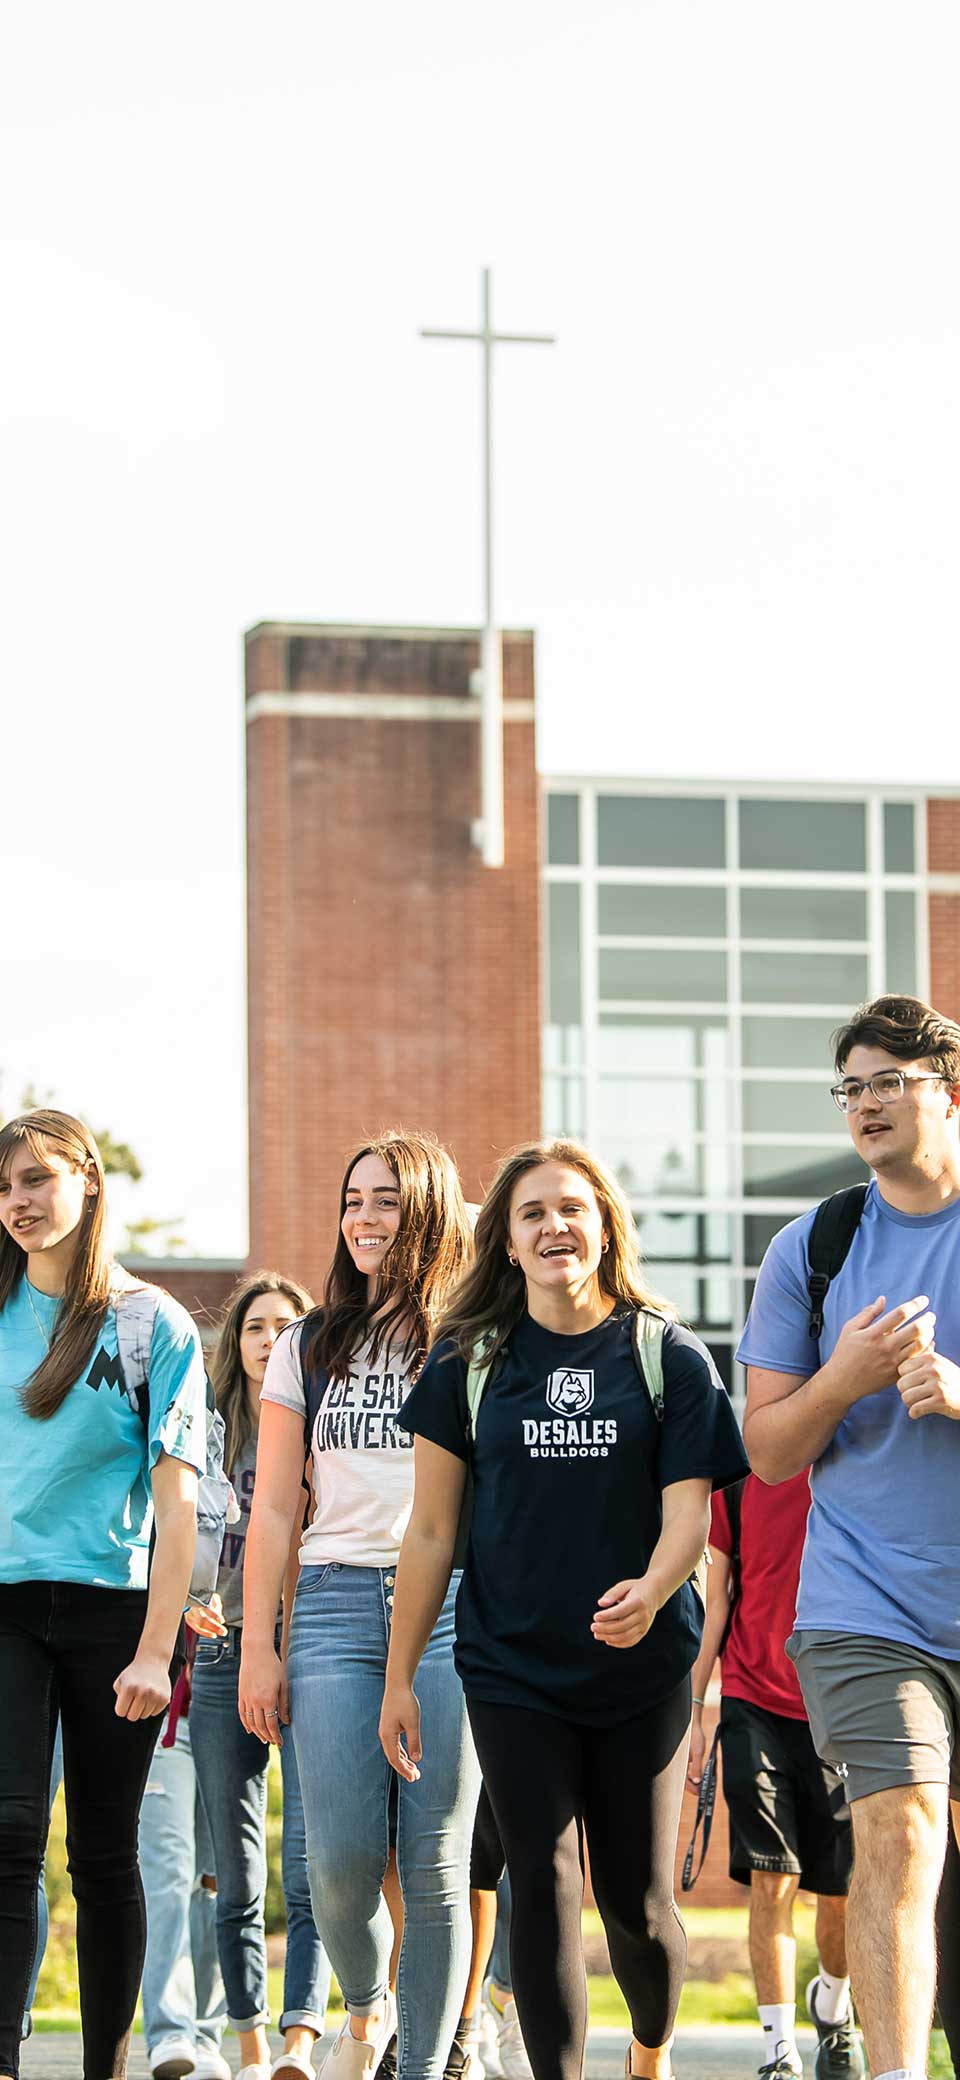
{"type": "Point", "coordinates": [344, 1373]}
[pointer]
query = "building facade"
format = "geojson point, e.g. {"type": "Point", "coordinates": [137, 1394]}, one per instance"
{"type": "Point", "coordinates": [702, 944]}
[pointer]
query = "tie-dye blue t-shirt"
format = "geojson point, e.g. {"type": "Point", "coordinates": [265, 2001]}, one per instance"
{"type": "Point", "coordinates": [75, 1503]}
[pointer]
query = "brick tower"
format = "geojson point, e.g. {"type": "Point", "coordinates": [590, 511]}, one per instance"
{"type": "Point", "coordinates": [392, 978]}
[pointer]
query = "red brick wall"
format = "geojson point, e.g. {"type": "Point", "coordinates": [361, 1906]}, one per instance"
{"type": "Point", "coordinates": [392, 977]}
{"type": "Point", "coordinates": [200, 1286]}
{"type": "Point", "coordinates": [943, 857]}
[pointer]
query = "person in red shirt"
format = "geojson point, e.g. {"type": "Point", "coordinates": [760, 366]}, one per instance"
{"type": "Point", "coordinates": [789, 1820]}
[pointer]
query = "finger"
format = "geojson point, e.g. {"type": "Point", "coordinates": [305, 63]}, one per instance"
{"type": "Point", "coordinates": [931, 1405]}
{"type": "Point", "coordinates": [284, 1703]}
{"type": "Point", "coordinates": [614, 1595]}
{"type": "Point", "coordinates": [869, 1313]}
{"type": "Point", "coordinates": [916, 1334]}
{"type": "Point", "coordinates": [898, 1316]}
{"type": "Point", "coordinates": [412, 1743]}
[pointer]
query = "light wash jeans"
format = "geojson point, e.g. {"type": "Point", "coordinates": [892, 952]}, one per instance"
{"type": "Point", "coordinates": [43, 1911]}
{"type": "Point", "coordinates": [232, 1773]}
{"type": "Point", "coordinates": [182, 1987]}
{"type": "Point", "coordinates": [339, 1635]}
{"type": "Point", "coordinates": [499, 1966]}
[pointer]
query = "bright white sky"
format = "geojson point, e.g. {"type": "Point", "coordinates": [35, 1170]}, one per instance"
{"type": "Point", "coordinates": [727, 498]}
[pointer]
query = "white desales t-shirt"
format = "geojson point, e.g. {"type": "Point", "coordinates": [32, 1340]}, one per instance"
{"type": "Point", "coordinates": [362, 1464]}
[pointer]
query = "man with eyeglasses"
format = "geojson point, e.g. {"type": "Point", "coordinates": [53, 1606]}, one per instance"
{"type": "Point", "coordinates": [874, 1409]}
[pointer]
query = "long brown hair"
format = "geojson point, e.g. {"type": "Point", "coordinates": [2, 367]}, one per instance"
{"type": "Point", "coordinates": [429, 1254]}
{"type": "Point", "coordinates": [92, 1273]}
{"type": "Point", "coordinates": [226, 1365]}
{"type": "Point", "coordinates": [492, 1297]}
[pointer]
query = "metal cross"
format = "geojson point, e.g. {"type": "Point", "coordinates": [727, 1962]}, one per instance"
{"type": "Point", "coordinates": [488, 830]}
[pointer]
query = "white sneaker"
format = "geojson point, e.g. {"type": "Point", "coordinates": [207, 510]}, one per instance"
{"type": "Point", "coordinates": [211, 2064]}
{"type": "Point", "coordinates": [511, 2049]}
{"type": "Point", "coordinates": [489, 2039]}
{"type": "Point", "coordinates": [254, 2072]}
{"type": "Point", "coordinates": [350, 2059]}
{"type": "Point", "coordinates": [473, 2067]}
{"type": "Point", "coordinates": [173, 2058]}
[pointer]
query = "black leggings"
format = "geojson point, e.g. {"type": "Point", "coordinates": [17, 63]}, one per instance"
{"type": "Point", "coordinates": [551, 1785]}
{"type": "Point", "coordinates": [61, 1647]}
{"type": "Point", "coordinates": [486, 1850]}
{"type": "Point", "coordinates": [948, 1941]}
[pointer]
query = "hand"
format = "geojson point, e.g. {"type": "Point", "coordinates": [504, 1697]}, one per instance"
{"type": "Point", "coordinates": [206, 1619]}
{"type": "Point", "coordinates": [872, 1346]}
{"type": "Point", "coordinates": [625, 1614]}
{"type": "Point", "coordinates": [698, 1750]}
{"type": "Point", "coordinates": [400, 1732]}
{"type": "Point", "coordinates": [929, 1385]}
{"type": "Point", "coordinates": [263, 1696]}
{"type": "Point", "coordinates": [143, 1689]}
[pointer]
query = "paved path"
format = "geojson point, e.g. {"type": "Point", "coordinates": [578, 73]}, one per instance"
{"type": "Point", "coordinates": [701, 2054]}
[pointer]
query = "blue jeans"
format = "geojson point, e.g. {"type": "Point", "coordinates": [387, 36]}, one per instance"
{"type": "Point", "coordinates": [182, 1987]}
{"type": "Point", "coordinates": [499, 1967]}
{"type": "Point", "coordinates": [231, 1769]}
{"type": "Point", "coordinates": [339, 1636]}
{"type": "Point", "coordinates": [43, 1911]}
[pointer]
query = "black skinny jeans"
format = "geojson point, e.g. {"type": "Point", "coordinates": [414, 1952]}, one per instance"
{"type": "Point", "coordinates": [552, 1785]}
{"type": "Point", "coordinates": [61, 1647]}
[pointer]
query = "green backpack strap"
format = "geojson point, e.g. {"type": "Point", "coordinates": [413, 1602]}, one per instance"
{"type": "Point", "coordinates": [646, 1336]}
{"type": "Point", "coordinates": [478, 1373]}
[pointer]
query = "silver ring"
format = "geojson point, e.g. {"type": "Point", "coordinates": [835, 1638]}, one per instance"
{"type": "Point", "coordinates": [273, 1715]}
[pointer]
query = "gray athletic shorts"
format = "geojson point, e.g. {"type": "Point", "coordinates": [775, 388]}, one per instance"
{"type": "Point", "coordinates": [882, 1713]}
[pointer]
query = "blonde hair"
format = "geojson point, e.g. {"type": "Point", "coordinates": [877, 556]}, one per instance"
{"type": "Point", "coordinates": [92, 1273]}
{"type": "Point", "coordinates": [226, 1365]}
{"type": "Point", "coordinates": [491, 1299]}
{"type": "Point", "coordinates": [429, 1254]}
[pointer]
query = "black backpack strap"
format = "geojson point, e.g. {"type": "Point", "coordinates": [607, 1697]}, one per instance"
{"type": "Point", "coordinates": [835, 1224]}
{"type": "Point", "coordinates": [706, 1800]}
{"type": "Point", "coordinates": [314, 1376]}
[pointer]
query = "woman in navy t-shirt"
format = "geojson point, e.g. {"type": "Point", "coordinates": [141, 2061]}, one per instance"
{"type": "Point", "coordinates": [577, 1624]}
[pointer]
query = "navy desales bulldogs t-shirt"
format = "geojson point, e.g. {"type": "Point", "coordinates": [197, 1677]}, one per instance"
{"type": "Point", "coordinates": [568, 1466]}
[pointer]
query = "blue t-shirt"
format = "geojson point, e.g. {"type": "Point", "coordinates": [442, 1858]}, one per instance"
{"type": "Point", "coordinates": [882, 1555]}
{"type": "Point", "coordinates": [75, 1503]}
{"type": "Point", "coordinates": [569, 1464]}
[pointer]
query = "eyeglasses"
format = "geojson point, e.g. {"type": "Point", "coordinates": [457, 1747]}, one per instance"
{"type": "Point", "coordinates": [886, 1087]}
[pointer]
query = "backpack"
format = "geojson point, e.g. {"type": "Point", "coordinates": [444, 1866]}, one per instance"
{"type": "Point", "coordinates": [835, 1224]}
{"type": "Point", "coordinates": [646, 1344]}
{"type": "Point", "coordinates": [217, 1504]}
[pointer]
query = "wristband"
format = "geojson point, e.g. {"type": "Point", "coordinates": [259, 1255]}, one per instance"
{"type": "Point", "coordinates": [697, 1700]}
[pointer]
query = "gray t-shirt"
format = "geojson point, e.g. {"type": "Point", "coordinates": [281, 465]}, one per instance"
{"type": "Point", "coordinates": [230, 1573]}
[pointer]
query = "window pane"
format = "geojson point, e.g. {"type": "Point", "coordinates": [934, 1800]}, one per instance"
{"type": "Point", "coordinates": [788, 1043]}
{"type": "Point", "coordinates": [659, 831]}
{"type": "Point", "coordinates": [803, 913]}
{"type": "Point", "coordinates": [671, 1105]}
{"type": "Point", "coordinates": [627, 972]}
{"type": "Point", "coordinates": [662, 1041]}
{"type": "Point", "coordinates": [563, 830]}
{"type": "Point", "coordinates": [564, 998]}
{"type": "Point", "coordinates": [824, 837]}
{"type": "Point", "coordinates": [759, 1230]}
{"type": "Point", "coordinates": [899, 856]}
{"type": "Point", "coordinates": [804, 978]}
{"type": "Point", "coordinates": [900, 909]}
{"type": "Point", "coordinates": [704, 1303]}
{"type": "Point", "coordinates": [563, 1047]}
{"type": "Point", "coordinates": [788, 1108]}
{"type": "Point", "coordinates": [798, 1173]}
{"type": "Point", "coordinates": [662, 1166]}
{"type": "Point", "coordinates": [665, 913]}
{"type": "Point", "coordinates": [563, 1106]}
{"type": "Point", "coordinates": [693, 1238]}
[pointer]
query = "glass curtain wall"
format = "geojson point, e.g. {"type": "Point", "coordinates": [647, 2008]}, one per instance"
{"type": "Point", "coordinates": [701, 948]}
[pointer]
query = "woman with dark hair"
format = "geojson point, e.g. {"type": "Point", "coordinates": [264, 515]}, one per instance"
{"type": "Point", "coordinates": [231, 1764]}
{"type": "Point", "coordinates": [593, 1450]}
{"type": "Point", "coordinates": [403, 1241]}
{"type": "Point", "coordinates": [86, 1475]}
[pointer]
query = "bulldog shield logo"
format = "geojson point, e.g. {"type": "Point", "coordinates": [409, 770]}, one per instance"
{"type": "Point", "coordinates": [570, 1393]}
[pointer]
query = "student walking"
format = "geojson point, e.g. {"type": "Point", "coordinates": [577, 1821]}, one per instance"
{"type": "Point", "coordinates": [231, 1763]}
{"type": "Point", "coordinates": [184, 2007]}
{"type": "Point", "coordinates": [873, 1404]}
{"type": "Point", "coordinates": [344, 1372]}
{"type": "Point", "coordinates": [577, 1624]}
{"type": "Point", "coordinates": [84, 1477]}
{"type": "Point", "coordinates": [789, 1820]}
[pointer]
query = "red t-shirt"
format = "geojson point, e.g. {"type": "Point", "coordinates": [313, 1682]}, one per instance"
{"type": "Point", "coordinates": [773, 1526]}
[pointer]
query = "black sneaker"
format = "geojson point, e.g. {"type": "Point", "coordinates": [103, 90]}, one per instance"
{"type": "Point", "coordinates": [387, 2069]}
{"type": "Point", "coordinates": [839, 2050]}
{"type": "Point", "coordinates": [780, 2068]}
{"type": "Point", "coordinates": [463, 2058]}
